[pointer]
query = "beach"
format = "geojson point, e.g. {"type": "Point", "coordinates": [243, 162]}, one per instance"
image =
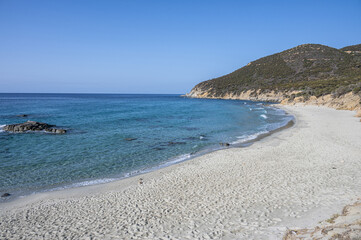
{"type": "Point", "coordinates": [293, 178]}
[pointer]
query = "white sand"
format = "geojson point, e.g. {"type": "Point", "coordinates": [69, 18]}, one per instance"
{"type": "Point", "coordinates": [293, 178]}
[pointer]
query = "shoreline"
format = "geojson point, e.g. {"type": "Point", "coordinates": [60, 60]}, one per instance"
{"type": "Point", "coordinates": [172, 161]}
{"type": "Point", "coordinates": [295, 177]}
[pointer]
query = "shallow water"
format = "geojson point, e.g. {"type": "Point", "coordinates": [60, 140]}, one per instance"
{"type": "Point", "coordinates": [165, 128]}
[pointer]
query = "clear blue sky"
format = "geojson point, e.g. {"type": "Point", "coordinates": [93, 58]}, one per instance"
{"type": "Point", "coordinates": [155, 46]}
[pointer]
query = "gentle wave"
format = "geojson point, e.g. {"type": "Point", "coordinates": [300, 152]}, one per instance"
{"type": "Point", "coordinates": [173, 161]}
{"type": "Point", "coordinates": [2, 128]}
{"type": "Point", "coordinates": [271, 127]}
{"type": "Point", "coordinates": [263, 116]}
{"type": "Point", "coordinates": [84, 183]}
{"type": "Point", "coordinates": [247, 138]}
{"type": "Point", "coordinates": [281, 124]}
{"type": "Point", "coordinates": [170, 162]}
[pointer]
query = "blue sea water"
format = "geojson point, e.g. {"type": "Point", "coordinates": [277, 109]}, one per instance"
{"type": "Point", "coordinates": [166, 128]}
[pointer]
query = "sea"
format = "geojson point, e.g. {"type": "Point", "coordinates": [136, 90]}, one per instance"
{"type": "Point", "coordinates": [114, 136]}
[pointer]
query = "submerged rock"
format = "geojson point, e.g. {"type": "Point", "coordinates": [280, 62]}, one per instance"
{"type": "Point", "coordinates": [6, 195]}
{"type": "Point", "coordinates": [224, 144]}
{"type": "Point", "coordinates": [22, 115]}
{"type": "Point", "coordinates": [174, 143]}
{"type": "Point", "coordinates": [158, 148]}
{"type": "Point", "coordinates": [57, 130]}
{"type": "Point", "coordinates": [33, 126]}
{"type": "Point", "coordinates": [130, 139]}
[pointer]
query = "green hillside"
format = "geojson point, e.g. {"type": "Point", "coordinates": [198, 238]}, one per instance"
{"type": "Point", "coordinates": [352, 48]}
{"type": "Point", "coordinates": [313, 69]}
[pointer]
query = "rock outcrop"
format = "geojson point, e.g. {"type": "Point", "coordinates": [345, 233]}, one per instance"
{"type": "Point", "coordinates": [254, 95]}
{"type": "Point", "coordinates": [348, 101]}
{"type": "Point", "coordinates": [340, 226]}
{"type": "Point", "coordinates": [31, 126]}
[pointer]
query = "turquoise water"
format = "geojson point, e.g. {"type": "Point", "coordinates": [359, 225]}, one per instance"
{"type": "Point", "coordinates": [167, 128]}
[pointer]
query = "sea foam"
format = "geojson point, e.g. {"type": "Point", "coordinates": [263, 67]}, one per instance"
{"type": "Point", "coordinates": [263, 116]}
{"type": "Point", "coordinates": [2, 128]}
{"type": "Point", "coordinates": [85, 183]}
{"type": "Point", "coordinates": [250, 137]}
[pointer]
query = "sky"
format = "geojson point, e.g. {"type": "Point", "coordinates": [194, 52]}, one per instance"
{"type": "Point", "coordinates": [86, 46]}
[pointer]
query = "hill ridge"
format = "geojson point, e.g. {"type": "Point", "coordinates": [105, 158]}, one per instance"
{"type": "Point", "coordinates": [305, 71]}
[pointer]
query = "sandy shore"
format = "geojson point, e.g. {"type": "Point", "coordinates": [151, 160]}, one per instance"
{"type": "Point", "coordinates": [291, 179]}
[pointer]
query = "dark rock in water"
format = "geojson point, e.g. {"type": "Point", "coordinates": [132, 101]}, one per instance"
{"type": "Point", "coordinates": [33, 126]}
{"type": "Point", "coordinates": [141, 119]}
{"type": "Point", "coordinates": [174, 143]}
{"type": "Point", "coordinates": [22, 115]}
{"type": "Point", "coordinates": [158, 148]}
{"type": "Point", "coordinates": [191, 128]}
{"type": "Point", "coordinates": [224, 144]}
{"type": "Point", "coordinates": [130, 139]}
{"type": "Point", "coordinates": [60, 131]}
{"type": "Point", "coordinates": [191, 138]}
{"type": "Point", "coordinates": [6, 195]}
{"type": "Point", "coordinates": [56, 130]}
